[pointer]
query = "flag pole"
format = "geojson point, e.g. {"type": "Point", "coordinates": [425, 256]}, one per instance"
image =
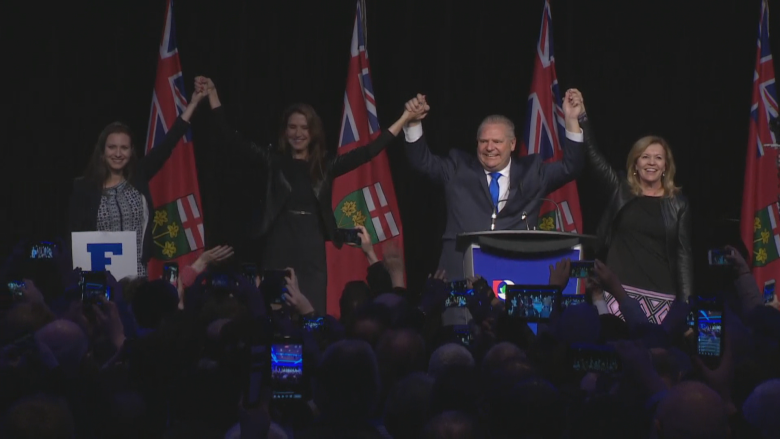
{"type": "Point", "coordinates": [364, 20]}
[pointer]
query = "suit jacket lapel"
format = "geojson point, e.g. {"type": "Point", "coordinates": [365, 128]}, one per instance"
{"type": "Point", "coordinates": [515, 180]}
{"type": "Point", "coordinates": [479, 172]}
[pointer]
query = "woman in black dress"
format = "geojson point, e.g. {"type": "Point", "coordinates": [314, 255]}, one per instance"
{"type": "Point", "coordinates": [113, 195]}
{"type": "Point", "coordinates": [644, 235]}
{"type": "Point", "coordinates": [298, 218]}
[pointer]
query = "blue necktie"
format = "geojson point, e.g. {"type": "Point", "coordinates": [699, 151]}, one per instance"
{"type": "Point", "coordinates": [494, 189]}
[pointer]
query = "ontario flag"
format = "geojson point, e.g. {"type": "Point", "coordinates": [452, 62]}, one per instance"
{"type": "Point", "coordinates": [178, 220]}
{"type": "Point", "coordinates": [544, 130]}
{"type": "Point", "coordinates": [760, 216]}
{"type": "Point", "coordinates": [365, 196]}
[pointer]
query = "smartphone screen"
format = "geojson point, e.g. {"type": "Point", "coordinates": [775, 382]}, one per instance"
{"type": "Point", "coordinates": [93, 285]}
{"type": "Point", "coordinates": [273, 286]}
{"type": "Point", "coordinates": [769, 291]}
{"type": "Point", "coordinates": [718, 257]}
{"type": "Point", "coordinates": [16, 287]}
{"type": "Point", "coordinates": [571, 300]}
{"type": "Point", "coordinates": [312, 324]}
{"type": "Point", "coordinates": [533, 303]}
{"type": "Point", "coordinates": [594, 358]}
{"type": "Point", "coordinates": [220, 281]}
{"type": "Point", "coordinates": [463, 334]}
{"type": "Point", "coordinates": [349, 236]}
{"type": "Point", "coordinates": [580, 269]}
{"type": "Point", "coordinates": [42, 250]}
{"type": "Point", "coordinates": [257, 367]}
{"type": "Point", "coordinates": [709, 323]}
{"type": "Point", "coordinates": [249, 270]}
{"type": "Point", "coordinates": [459, 292]}
{"type": "Point", "coordinates": [171, 273]}
{"type": "Point", "coordinates": [690, 320]}
{"type": "Point", "coordinates": [287, 371]}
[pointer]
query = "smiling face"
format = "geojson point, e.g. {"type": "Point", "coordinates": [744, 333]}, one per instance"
{"type": "Point", "coordinates": [117, 151]}
{"type": "Point", "coordinates": [651, 164]}
{"type": "Point", "coordinates": [297, 132]}
{"type": "Point", "coordinates": [495, 144]}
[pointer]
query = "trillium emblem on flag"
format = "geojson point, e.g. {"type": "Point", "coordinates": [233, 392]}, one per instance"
{"type": "Point", "coordinates": [367, 207]}
{"type": "Point", "coordinates": [552, 220]}
{"type": "Point", "coordinates": [766, 241]}
{"type": "Point", "coordinates": [178, 228]}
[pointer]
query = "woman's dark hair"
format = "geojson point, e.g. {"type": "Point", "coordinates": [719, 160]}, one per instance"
{"type": "Point", "coordinates": [97, 170]}
{"type": "Point", "coordinates": [317, 147]}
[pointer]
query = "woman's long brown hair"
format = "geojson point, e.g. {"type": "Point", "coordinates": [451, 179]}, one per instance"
{"type": "Point", "coordinates": [317, 147]}
{"type": "Point", "coordinates": [97, 170]}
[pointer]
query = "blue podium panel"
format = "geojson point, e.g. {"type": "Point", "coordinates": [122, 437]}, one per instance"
{"type": "Point", "coordinates": [518, 269]}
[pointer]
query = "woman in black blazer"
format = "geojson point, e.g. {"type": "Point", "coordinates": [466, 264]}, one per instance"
{"type": "Point", "coordinates": [298, 217]}
{"type": "Point", "coordinates": [113, 194]}
{"type": "Point", "coordinates": [645, 232]}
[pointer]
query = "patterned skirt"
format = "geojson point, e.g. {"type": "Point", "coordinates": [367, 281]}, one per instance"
{"type": "Point", "coordinates": [655, 305]}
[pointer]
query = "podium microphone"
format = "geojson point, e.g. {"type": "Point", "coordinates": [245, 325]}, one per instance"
{"type": "Point", "coordinates": [495, 213]}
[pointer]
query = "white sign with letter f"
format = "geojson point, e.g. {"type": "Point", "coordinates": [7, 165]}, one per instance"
{"type": "Point", "coordinates": [116, 252]}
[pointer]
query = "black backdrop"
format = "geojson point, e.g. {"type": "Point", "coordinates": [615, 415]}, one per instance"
{"type": "Point", "coordinates": [681, 69]}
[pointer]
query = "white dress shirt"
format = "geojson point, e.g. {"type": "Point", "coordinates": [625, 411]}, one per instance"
{"type": "Point", "coordinates": [413, 134]}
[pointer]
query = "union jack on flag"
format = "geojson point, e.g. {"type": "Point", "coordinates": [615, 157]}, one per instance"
{"type": "Point", "coordinates": [761, 191]}
{"type": "Point", "coordinates": [178, 178]}
{"type": "Point", "coordinates": [545, 128]}
{"type": "Point", "coordinates": [365, 196]}
{"type": "Point", "coordinates": [359, 123]}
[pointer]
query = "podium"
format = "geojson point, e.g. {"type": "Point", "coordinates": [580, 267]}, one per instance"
{"type": "Point", "coordinates": [510, 257]}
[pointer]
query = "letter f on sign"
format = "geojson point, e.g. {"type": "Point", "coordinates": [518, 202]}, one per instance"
{"type": "Point", "coordinates": [98, 254]}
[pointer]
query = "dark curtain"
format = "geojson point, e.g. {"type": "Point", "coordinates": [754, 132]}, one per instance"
{"type": "Point", "coordinates": [681, 69]}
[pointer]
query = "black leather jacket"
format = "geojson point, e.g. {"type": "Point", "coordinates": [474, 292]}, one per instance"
{"type": "Point", "coordinates": [278, 189]}
{"type": "Point", "coordinates": [675, 211]}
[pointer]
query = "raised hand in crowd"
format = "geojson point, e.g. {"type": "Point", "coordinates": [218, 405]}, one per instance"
{"type": "Point", "coordinates": [212, 256]}
{"type": "Point", "coordinates": [593, 287]}
{"type": "Point", "coordinates": [108, 322]}
{"type": "Point", "coordinates": [609, 281]}
{"type": "Point", "coordinates": [559, 274]}
{"type": "Point", "coordinates": [721, 378]}
{"type": "Point", "coordinates": [638, 366]}
{"type": "Point", "coordinates": [436, 291]}
{"type": "Point", "coordinates": [394, 263]}
{"type": "Point", "coordinates": [31, 292]}
{"type": "Point", "coordinates": [740, 265]}
{"type": "Point", "coordinates": [367, 245]}
{"type": "Point", "coordinates": [481, 302]}
{"type": "Point", "coordinates": [294, 298]}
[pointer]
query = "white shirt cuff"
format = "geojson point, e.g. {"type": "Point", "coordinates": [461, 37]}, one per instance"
{"type": "Point", "coordinates": [413, 133]}
{"type": "Point", "coordinates": [601, 306]}
{"type": "Point", "coordinates": [575, 137]}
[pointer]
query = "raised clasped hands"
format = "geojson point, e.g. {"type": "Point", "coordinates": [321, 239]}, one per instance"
{"type": "Point", "coordinates": [416, 108]}
{"type": "Point", "coordinates": [204, 85]}
{"type": "Point", "coordinates": [573, 104]}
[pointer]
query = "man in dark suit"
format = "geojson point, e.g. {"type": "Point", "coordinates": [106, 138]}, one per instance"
{"type": "Point", "coordinates": [493, 181]}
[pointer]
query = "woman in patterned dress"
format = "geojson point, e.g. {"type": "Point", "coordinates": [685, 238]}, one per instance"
{"type": "Point", "coordinates": [645, 231]}
{"type": "Point", "coordinates": [113, 194]}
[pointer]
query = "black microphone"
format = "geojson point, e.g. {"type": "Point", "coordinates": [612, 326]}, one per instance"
{"type": "Point", "coordinates": [524, 216]}
{"type": "Point", "coordinates": [495, 213]}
